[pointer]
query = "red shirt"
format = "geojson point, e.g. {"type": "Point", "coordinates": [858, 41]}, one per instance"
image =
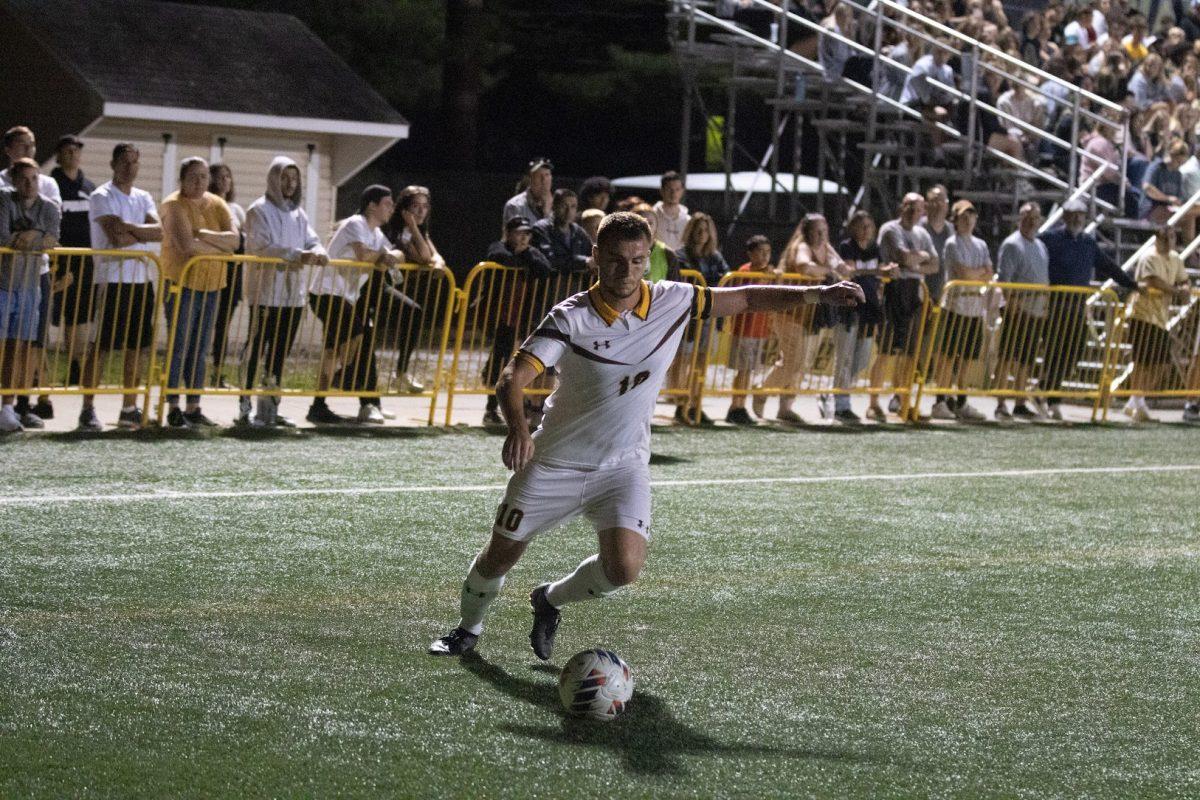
{"type": "Point", "coordinates": [752, 325]}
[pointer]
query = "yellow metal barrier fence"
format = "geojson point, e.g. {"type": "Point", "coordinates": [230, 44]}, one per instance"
{"type": "Point", "coordinates": [79, 321]}
{"type": "Point", "coordinates": [815, 349]}
{"type": "Point", "coordinates": [1153, 359]}
{"type": "Point", "coordinates": [341, 329]}
{"type": "Point", "coordinates": [1011, 340]}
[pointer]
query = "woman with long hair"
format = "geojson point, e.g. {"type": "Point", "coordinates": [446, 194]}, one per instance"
{"type": "Point", "coordinates": [809, 255]}
{"type": "Point", "coordinates": [700, 252]}
{"type": "Point", "coordinates": [220, 183]}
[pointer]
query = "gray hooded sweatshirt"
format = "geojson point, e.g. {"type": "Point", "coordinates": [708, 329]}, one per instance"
{"type": "Point", "coordinates": [276, 226]}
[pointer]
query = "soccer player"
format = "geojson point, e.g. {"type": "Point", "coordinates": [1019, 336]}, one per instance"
{"type": "Point", "coordinates": [612, 346]}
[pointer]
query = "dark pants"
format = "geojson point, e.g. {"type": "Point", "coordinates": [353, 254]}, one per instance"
{"type": "Point", "coordinates": [503, 342]}
{"type": "Point", "coordinates": [227, 301]}
{"type": "Point", "coordinates": [272, 333]}
{"type": "Point", "coordinates": [1065, 338]}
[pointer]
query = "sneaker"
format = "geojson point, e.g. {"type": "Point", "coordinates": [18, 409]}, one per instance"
{"type": "Point", "coordinates": [44, 408]}
{"type": "Point", "coordinates": [1022, 411]}
{"type": "Point", "coordinates": [968, 413]}
{"type": "Point", "coordinates": [847, 417]}
{"type": "Point", "coordinates": [9, 421]}
{"type": "Point", "coordinates": [492, 417]}
{"type": "Point", "coordinates": [176, 419]}
{"type": "Point", "coordinates": [1140, 414]}
{"type": "Point", "coordinates": [758, 404]}
{"type": "Point", "coordinates": [1002, 412]}
{"type": "Point", "coordinates": [545, 623]}
{"type": "Point", "coordinates": [1054, 412]}
{"type": "Point", "coordinates": [681, 416]}
{"type": "Point", "coordinates": [370, 413]}
{"type": "Point", "coordinates": [284, 422]}
{"type": "Point", "coordinates": [825, 406]}
{"type": "Point", "coordinates": [1191, 412]}
{"type": "Point", "coordinates": [790, 417]}
{"type": "Point", "coordinates": [1042, 407]}
{"type": "Point", "coordinates": [244, 413]}
{"type": "Point", "coordinates": [739, 416]}
{"type": "Point", "coordinates": [265, 414]}
{"type": "Point", "coordinates": [407, 384]}
{"type": "Point", "coordinates": [894, 404]}
{"type": "Point", "coordinates": [32, 421]}
{"type": "Point", "coordinates": [876, 413]}
{"type": "Point", "coordinates": [386, 414]}
{"type": "Point", "coordinates": [321, 414]}
{"type": "Point", "coordinates": [197, 418]}
{"type": "Point", "coordinates": [941, 410]}
{"type": "Point", "coordinates": [131, 420]}
{"type": "Point", "coordinates": [454, 643]}
{"type": "Point", "coordinates": [704, 418]}
{"type": "Point", "coordinates": [1130, 407]}
{"type": "Point", "coordinates": [88, 421]}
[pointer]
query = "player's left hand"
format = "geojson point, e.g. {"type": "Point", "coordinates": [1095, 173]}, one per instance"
{"type": "Point", "coordinates": [845, 293]}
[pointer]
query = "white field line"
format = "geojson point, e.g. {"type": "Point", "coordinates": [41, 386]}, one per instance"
{"type": "Point", "coordinates": [34, 500]}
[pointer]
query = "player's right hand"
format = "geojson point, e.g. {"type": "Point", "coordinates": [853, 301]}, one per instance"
{"type": "Point", "coordinates": [518, 448]}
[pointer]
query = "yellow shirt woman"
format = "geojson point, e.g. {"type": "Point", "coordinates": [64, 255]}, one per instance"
{"type": "Point", "coordinates": [208, 212]}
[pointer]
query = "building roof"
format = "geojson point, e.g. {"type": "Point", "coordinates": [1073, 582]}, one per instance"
{"type": "Point", "coordinates": [153, 53]}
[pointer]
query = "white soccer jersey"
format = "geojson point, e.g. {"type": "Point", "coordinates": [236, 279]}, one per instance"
{"type": "Point", "coordinates": [611, 367]}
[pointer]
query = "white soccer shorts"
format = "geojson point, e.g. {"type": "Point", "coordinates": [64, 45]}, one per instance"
{"type": "Point", "coordinates": [542, 497]}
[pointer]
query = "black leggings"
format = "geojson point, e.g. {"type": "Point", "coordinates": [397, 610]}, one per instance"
{"type": "Point", "coordinates": [273, 331]}
{"type": "Point", "coordinates": [503, 342]}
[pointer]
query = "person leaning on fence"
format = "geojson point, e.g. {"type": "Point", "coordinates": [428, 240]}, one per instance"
{"type": "Point", "coordinates": [564, 244]}
{"type": "Point", "coordinates": [701, 252]}
{"type": "Point", "coordinates": [1074, 259]}
{"type": "Point", "coordinates": [29, 223]}
{"type": "Point", "coordinates": [400, 313]}
{"type": "Point", "coordinates": [121, 217]}
{"type": "Point", "coordinates": [663, 265]}
{"type": "Point", "coordinates": [960, 334]}
{"type": "Point", "coordinates": [904, 243]}
{"type": "Point", "coordinates": [532, 200]}
{"type": "Point", "coordinates": [220, 183]}
{"type": "Point", "coordinates": [515, 251]}
{"type": "Point", "coordinates": [810, 255]}
{"type": "Point", "coordinates": [276, 227]}
{"type": "Point", "coordinates": [334, 294]}
{"type": "Point", "coordinates": [1161, 279]}
{"type": "Point", "coordinates": [72, 309]}
{"type": "Point", "coordinates": [750, 330]}
{"type": "Point", "coordinates": [19, 143]}
{"type": "Point", "coordinates": [1022, 259]}
{"type": "Point", "coordinates": [856, 329]}
{"type": "Point", "coordinates": [195, 223]}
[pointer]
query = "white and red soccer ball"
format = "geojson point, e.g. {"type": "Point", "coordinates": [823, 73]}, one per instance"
{"type": "Point", "coordinates": [595, 684]}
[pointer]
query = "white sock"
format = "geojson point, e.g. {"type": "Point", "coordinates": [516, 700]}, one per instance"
{"type": "Point", "coordinates": [587, 582]}
{"type": "Point", "coordinates": [478, 593]}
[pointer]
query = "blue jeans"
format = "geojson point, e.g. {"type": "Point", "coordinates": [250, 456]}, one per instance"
{"type": "Point", "coordinates": [193, 340]}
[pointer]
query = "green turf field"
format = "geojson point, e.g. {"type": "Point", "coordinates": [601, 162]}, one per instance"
{"type": "Point", "coordinates": [954, 636]}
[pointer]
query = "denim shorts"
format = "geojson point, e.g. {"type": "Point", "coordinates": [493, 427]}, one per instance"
{"type": "Point", "coordinates": [19, 315]}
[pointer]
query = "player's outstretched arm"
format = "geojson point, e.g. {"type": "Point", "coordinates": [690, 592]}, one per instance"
{"type": "Point", "coordinates": [726, 302]}
{"type": "Point", "coordinates": [510, 391]}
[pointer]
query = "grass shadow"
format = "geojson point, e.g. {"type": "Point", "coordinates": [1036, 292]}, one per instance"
{"type": "Point", "coordinates": [647, 738]}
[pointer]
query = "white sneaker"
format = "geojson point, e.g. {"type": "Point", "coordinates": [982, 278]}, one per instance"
{"type": "Point", "coordinates": [942, 411]}
{"type": "Point", "coordinates": [1130, 407]}
{"type": "Point", "coordinates": [370, 414]}
{"type": "Point", "coordinates": [968, 412]}
{"type": "Point", "coordinates": [1002, 412]}
{"type": "Point", "coordinates": [407, 384]}
{"type": "Point", "coordinates": [387, 414]}
{"type": "Point", "coordinates": [9, 421]}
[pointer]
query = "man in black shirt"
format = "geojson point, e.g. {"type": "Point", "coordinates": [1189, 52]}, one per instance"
{"type": "Point", "coordinates": [562, 241]}
{"type": "Point", "coordinates": [72, 308]}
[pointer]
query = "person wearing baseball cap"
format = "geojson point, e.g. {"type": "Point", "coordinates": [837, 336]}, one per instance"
{"type": "Point", "coordinates": [533, 198]}
{"type": "Point", "coordinates": [72, 308]}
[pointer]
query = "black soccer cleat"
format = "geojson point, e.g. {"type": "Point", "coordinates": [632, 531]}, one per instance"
{"type": "Point", "coordinates": [545, 623]}
{"type": "Point", "coordinates": [454, 643]}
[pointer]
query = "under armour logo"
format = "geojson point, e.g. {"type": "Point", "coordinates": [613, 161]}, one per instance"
{"type": "Point", "coordinates": [605, 344]}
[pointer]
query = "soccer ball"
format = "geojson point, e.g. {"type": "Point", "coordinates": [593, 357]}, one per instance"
{"type": "Point", "coordinates": [595, 684]}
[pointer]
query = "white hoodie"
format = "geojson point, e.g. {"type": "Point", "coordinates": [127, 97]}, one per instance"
{"type": "Point", "coordinates": [277, 226]}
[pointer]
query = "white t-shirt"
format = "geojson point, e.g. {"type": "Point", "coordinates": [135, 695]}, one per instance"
{"type": "Point", "coordinates": [109, 201]}
{"type": "Point", "coordinates": [611, 367]}
{"type": "Point", "coordinates": [670, 229]}
{"type": "Point", "coordinates": [347, 282]}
